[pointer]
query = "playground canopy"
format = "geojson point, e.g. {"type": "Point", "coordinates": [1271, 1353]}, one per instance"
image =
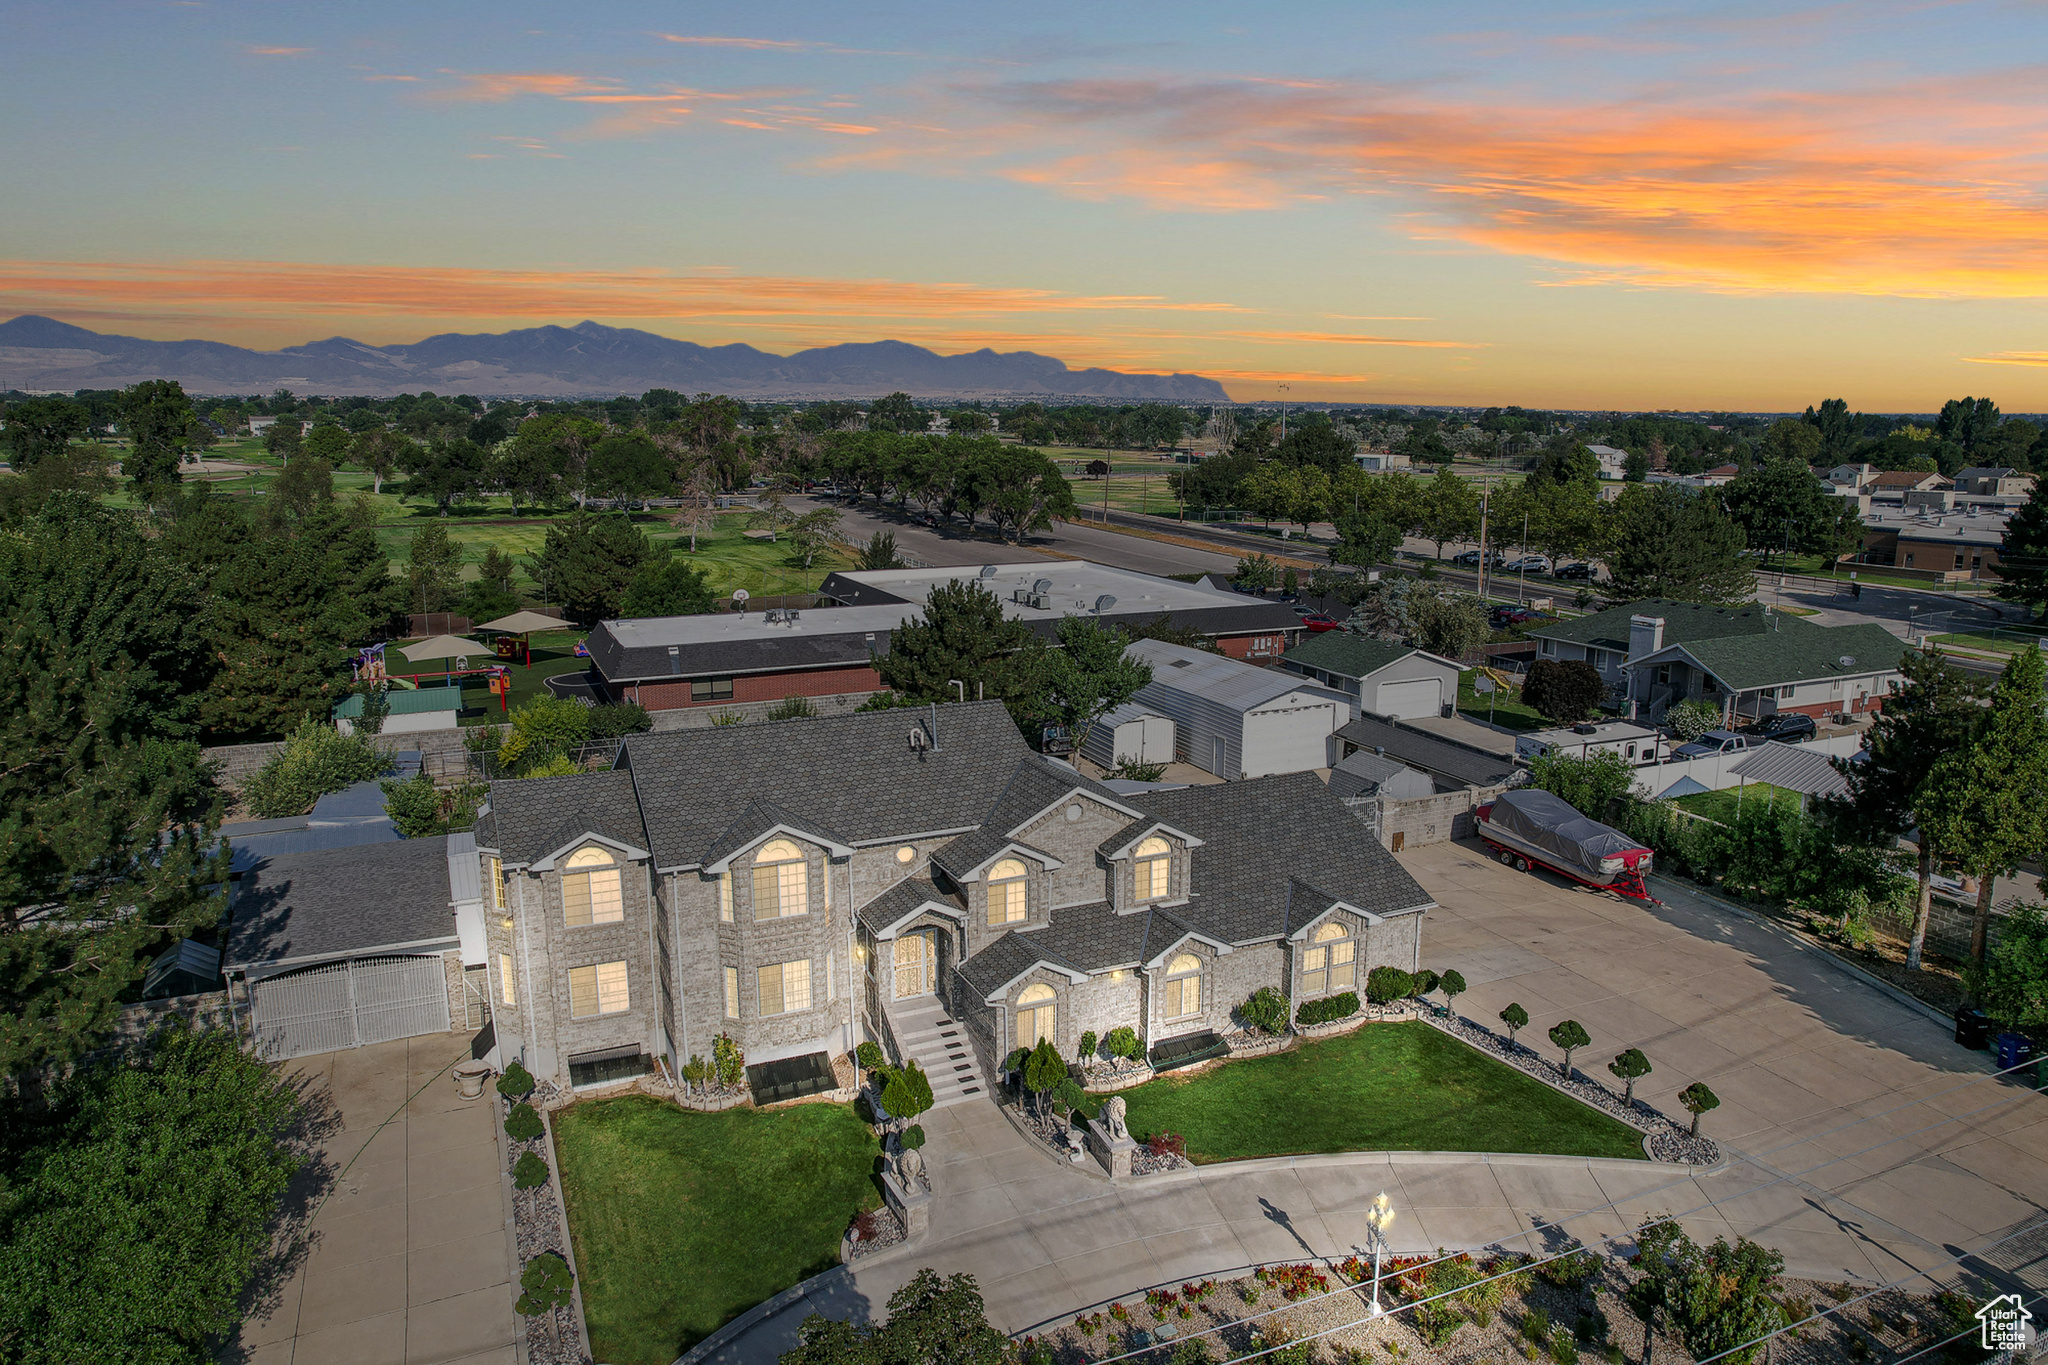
{"type": "Point", "coordinates": [442, 647]}
{"type": "Point", "coordinates": [522, 622]}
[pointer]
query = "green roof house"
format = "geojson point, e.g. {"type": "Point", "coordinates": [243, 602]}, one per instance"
{"type": "Point", "coordinates": [1748, 660]}
{"type": "Point", "coordinates": [1387, 679]}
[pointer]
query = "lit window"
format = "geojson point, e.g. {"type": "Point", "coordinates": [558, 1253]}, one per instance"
{"type": "Point", "coordinates": [1183, 986]}
{"type": "Point", "coordinates": [494, 879]}
{"type": "Point", "coordinates": [732, 992]}
{"type": "Point", "coordinates": [1155, 860]}
{"type": "Point", "coordinates": [1006, 892]}
{"type": "Point", "coordinates": [506, 991]}
{"type": "Point", "coordinates": [1035, 1015]}
{"type": "Point", "coordinates": [780, 884]}
{"type": "Point", "coordinates": [1331, 964]}
{"type": "Point", "coordinates": [600, 989]}
{"type": "Point", "coordinates": [594, 897]}
{"type": "Point", "coordinates": [725, 897]}
{"type": "Point", "coordinates": [785, 987]}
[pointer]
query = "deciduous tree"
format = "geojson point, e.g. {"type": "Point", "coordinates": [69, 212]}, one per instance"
{"type": "Point", "coordinates": [38, 427]}
{"type": "Point", "coordinates": [1564, 691]}
{"type": "Point", "coordinates": [156, 417]}
{"type": "Point", "coordinates": [964, 635]}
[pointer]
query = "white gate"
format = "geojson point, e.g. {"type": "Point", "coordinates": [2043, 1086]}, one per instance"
{"type": "Point", "coordinates": [349, 1004]}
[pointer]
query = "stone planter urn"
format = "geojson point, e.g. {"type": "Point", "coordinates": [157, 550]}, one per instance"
{"type": "Point", "coordinates": [470, 1077]}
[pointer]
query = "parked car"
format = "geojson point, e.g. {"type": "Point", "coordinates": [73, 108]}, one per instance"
{"type": "Point", "coordinates": [1578, 572]}
{"type": "Point", "coordinates": [1470, 558]}
{"type": "Point", "coordinates": [1527, 564]}
{"type": "Point", "coordinates": [1712, 742]}
{"type": "Point", "coordinates": [1512, 616]}
{"type": "Point", "coordinates": [1790, 728]}
{"type": "Point", "coordinates": [1317, 622]}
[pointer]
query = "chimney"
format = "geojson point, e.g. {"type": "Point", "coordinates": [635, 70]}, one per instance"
{"type": "Point", "coordinates": [1645, 635]}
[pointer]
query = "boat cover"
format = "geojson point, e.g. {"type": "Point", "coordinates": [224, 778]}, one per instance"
{"type": "Point", "coordinates": [1546, 821]}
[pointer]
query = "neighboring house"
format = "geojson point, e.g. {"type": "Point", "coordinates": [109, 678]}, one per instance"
{"type": "Point", "coordinates": [343, 947]}
{"type": "Point", "coordinates": [725, 660]}
{"type": "Point", "coordinates": [1854, 477]}
{"type": "Point", "coordinates": [1384, 678]}
{"type": "Point", "coordinates": [1455, 766]}
{"type": "Point", "coordinates": [802, 886]}
{"type": "Point", "coordinates": [1896, 483]}
{"type": "Point", "coordinates": [1613, 461]}
{"type": "Point", "coordinates": [406, 710]}
{"type": "Point", "coordinates": [1380, 461]}
{"type": "Point", "coordinates": [1236, 720]}
{"type": "Point", "coordinates": [1720, 474]}
{"type": "Point", "coordinates": [2000, 481]}
{"type": "Point", "coordinates": [1746, 660]}
{"type": "Point", "coordinates": [1370, 775]}
{"type": "Point", "coordinates": [1957, 544]}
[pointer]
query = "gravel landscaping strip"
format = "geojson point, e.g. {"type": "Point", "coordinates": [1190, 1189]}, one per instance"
{"type": "Point", "coordinates": [538, 1226]}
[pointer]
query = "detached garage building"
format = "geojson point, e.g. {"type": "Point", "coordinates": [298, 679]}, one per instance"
{"type": "Point", "coordinates": [1130, 731]}
{"type": "Point", "coordinates": [1238, 720]}
{"type": "Point", "coordinates": [343, 947]}
{"type": "Point", "coordinates": [1382, 677]}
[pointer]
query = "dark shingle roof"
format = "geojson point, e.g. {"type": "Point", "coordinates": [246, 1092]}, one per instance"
{"type": "Point", "coordinates": [1800, 652]}
{"type": "Point", "coordinates": [1346, 654]}
{"type": "Point", "coordinates": [902, 898]}
{"type": "Point", "coordinates": [1684, 622]}
{"type": "Point", "coordinates": [1256, 833]}
{"type": "Point", "coordinates": [1429, 753]}
{"type": "Point", "coordinates": [531, 817]}
{"type": "Point", "coordinates": [1362, 773]}
{"type": "Point", "coordinates": [1009, 957]}
{"type": "Point", "coordinates": [854, 774]}
{"type": "Point", "coordinates": [338, 902]}
{"type": "Point", "coordinates": [757, 819]}
{"type": "Point", "coordinates": [1035, 783]}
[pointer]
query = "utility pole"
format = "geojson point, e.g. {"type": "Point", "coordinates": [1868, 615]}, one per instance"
{"type": "Point", "coordinates": [1523, 584]}
{"type": "Point", "coordinates": [1485, 492]}
{"type": "Point", "coordinates": [1284, 388]}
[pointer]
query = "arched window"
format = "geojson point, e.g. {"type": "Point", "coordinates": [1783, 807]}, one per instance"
{"type": "Point", "coordinates": [1006, 892]}
{"type": "Point", "coordinates": [1183, 986]}
{"type": "Point", "coordinates": [1330, 965]}
{"type": "Point", "coordinates": [1035, 1011]}
{"type": "Point", "coordinates": [780, 884]}
{"type": "Point", "coordinates": [594, 892]}
{"type": "Point", "coordinates": [1154, 863]}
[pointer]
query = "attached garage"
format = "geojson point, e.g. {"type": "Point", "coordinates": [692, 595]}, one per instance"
{"type": "Point", "coordinates": [1237, 720]}
{"type": "Point", "coordinates": [1409, 699]}
{"type": "Point", "coordinates": [1384, 677]}
{"type": "Point", "coordinates": [342, 948]}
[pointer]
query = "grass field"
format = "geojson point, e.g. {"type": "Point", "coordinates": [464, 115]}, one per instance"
{"type": "Point", "coordinates": [1996, 641]}
{"type": "Point", "coordinates": [682, 1221]}
{"type": "Point", "coordinates": [1386, 1087]}
{"type": "Point", "coordinates": [1721, 806]}
{"type": "Point", "coordinates": [1508, 708]}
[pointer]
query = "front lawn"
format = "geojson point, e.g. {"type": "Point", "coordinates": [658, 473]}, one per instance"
{"type": "Point", "coordinates": [1386, 1087]}
{"type": "Point", "coordinates": [1723, 806]}
{"type": "Point", "coordinates": [682, 1221]}
{"type": "Point", "coordinates": [1508, 710]}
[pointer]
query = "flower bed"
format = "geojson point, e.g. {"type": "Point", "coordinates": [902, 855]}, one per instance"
{"type": "Point", "coordinates": [872, 1231]}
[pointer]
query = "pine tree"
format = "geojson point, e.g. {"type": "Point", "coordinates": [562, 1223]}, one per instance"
{"type": "Point", "coordinates": [2023, 552]}
{"type": "Point", "coordinates": [587, 562]}
{"type": "Point", "coordinates": [278, 626]}
{"type": "Point", "coordinates": [962, 635]}
{"type": "Point", "coordinates": [1984, 801]}
{"type": "Point", "coordinates": [1676, 543]}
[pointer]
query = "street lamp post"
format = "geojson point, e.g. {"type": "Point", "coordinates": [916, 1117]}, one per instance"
{"type": "Point", "coordinates": [1378, 1219]}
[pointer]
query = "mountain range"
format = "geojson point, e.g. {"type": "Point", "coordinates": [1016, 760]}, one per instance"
{"type": "Point", "coordinates": [587, 360]}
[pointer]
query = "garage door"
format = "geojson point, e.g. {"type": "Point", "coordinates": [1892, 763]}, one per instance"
{"type": "Point", "coordinates": [349, 1004]}
{"type": "Point", "coordinates": [1412, 699]}
{"type": "Point", "coordinates": [1288, 739]}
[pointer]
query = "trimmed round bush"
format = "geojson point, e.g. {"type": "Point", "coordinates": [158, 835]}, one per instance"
{"type": "Point", "coordinates": [523, 1123]}
{"type": "Point", "coordinates": [529, 1172]}
{"type": "Point", "coordinates": [912, 1137]}
{"type": "Point", "coordinates": [516, 1083]}
{"type": "Point", "coordinates": [1327, 1009]}
{"type": "Point", "coordinates": [1384, 985]}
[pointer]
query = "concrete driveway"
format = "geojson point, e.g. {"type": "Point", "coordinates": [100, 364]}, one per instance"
{"type": "Point", "coordinates": [1887, 1124]}
{"type": "Point", "coordinates": [406, 1254]}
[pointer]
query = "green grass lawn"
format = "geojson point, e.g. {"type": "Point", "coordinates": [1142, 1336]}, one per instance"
{"type": "Point", "coordinates": [1721, 805]}
{"type": "Point", "coordinates": [682, 1221]}
{"type": "Point", "coordinates": [1386, 1087]}
{"type": "Point", "coordinates": [1995, 641]}
{"type": "Point", "coordinates": [1508, 709]}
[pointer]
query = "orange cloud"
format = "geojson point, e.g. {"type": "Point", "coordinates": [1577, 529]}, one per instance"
{"type": "Point", "coordinates": [497, 86]}
{"type": "Point", "coordinates": [295, 289]}
{"type": "Point", "coordinates": [1925, 190]}
{"type": "Point", "coordinates": [277, 51]}
{"type": "Point", "coordinates": [2009, 358]}
{"type": "Point", "coordinates": [1345, 339]}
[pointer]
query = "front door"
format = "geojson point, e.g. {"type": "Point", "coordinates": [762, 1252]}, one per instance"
{"type": "Point", "coordinates": [916, 964]}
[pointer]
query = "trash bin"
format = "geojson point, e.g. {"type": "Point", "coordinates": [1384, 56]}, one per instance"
{"type": "Point", "coordinates": [2014, 1049]}
{"type": "Point", "coordinates": [1973, 1028]}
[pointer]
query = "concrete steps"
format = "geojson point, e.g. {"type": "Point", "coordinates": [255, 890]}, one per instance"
{"type": "Point", "coordinates": [937, 1043]}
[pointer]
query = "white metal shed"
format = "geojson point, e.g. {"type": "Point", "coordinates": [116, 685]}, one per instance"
{"type": "Point", "coordinates": [1237, 720]}
{"type": "Point", "coordinates": [1130, 731]}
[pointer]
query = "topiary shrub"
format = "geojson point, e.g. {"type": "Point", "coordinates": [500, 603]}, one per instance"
{"type": "Point", "coordinates": [516, 1083]}
{"type": "Point", "coordinates": [523, 1123]}
{"type": "Point", "coordinates": [869, 1056]}
{"type": "Point", "coordinates": [1123, 1042]}
{"type": "Point", "coordinates": [908, 1093]}
{"type": "Point", "coordinates": [545, 1282]}
{"type": "Point", "coordinates": [529, 1172]}
{"type": "Point", "coordinates": [1327, 1009]}
{"type": "Point", "coordinates": [1088, 1042]}
{"type": "Point", "coordinates": [1425, 984]}
{"type": "Point", "coordinates": [1265, 1010]}
{"type": "Point", "coordinates": [1698, 1099]}
{"type": "Point", "coordinates": [912, 1137]}
{"type": "Point", "coordinates": [1385, 985]}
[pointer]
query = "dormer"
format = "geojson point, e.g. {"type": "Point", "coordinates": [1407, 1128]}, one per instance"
{"type": "Point", "coordinates": [1149, 865]}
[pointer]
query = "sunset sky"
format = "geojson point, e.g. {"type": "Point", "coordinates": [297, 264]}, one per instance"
{"type": "Point", "coordinates": [1648, 205]}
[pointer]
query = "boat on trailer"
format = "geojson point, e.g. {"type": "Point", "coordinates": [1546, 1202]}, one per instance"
{"type": "Point", "coordinates": [1528, 827]}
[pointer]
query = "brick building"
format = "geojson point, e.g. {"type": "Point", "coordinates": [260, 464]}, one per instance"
{"type": "Point", "coordinates": [805, 885]}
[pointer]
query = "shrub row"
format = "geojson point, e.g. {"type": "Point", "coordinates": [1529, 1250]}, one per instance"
{"type": "Point", "coordinates": [1327, 1009]}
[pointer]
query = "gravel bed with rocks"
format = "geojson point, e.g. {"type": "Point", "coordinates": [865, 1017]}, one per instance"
{"type": "Point", "coordinates": [538, 1227]}
{"type": "Point", "coordinates": [884, 1229]}
{"type": "Point", "coordinates": [1146, 1161]}
{"type": "Point", "coordinates": [1670, 1141]}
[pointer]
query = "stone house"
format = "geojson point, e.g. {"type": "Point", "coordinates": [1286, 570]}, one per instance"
{"type": "Point", "coordinates": [806, 885]}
